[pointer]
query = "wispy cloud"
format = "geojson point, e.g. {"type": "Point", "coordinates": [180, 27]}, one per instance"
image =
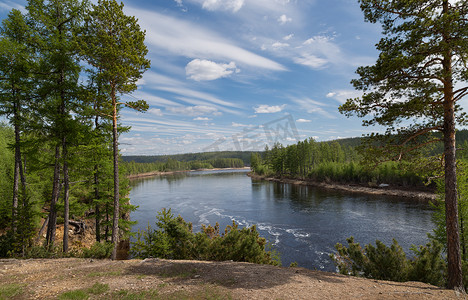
{"type": "Point", "coordinates": [194, 110]}
{"type": "Point", "coordinates": [9, 5]}
{"type": "Point", "coordinates": [303, 121]}
{"type": "Point", "coordinates": [266, 109]}
{"type": "Point", "coordinates": [183, 92]}
{"type": "Point", "coordinates": [181, 37]}
{"type": "Point", "coordinates": [312, 106]}
{"type": "Point", "coordinates": [232, 5]}
{"type": "Point", "coordinates": [342, 95]}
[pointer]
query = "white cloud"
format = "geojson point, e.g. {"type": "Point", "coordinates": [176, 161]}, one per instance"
{"type": "Point", "coordinates": [233, 5]}
{"type": "Point", "coordinates": [234, 124]}
{"type": "Point", "coordinates": [318, 51]}
{"type": "Point", "coordinates": [280, 45]}
{"type": "Point", "coordinates": [155, 111]}
{"type": "Point", "coordinates": [342, 95]}
{"type": "Point", "coordinates": [288, 37]}
{"type": "Point", "coordinates": [199, 70]}
{"type": "Point", "coordinates": [198, 110]}
{"type": "Point", "coordinates": [184, 38]}
{"type": "Point", "coordinates": [265, 109]}
{"type": "Point", "coordinates": [303, 121]}
{"type": "Point", "coordinates": [284, 19]}
{"type": "Point", "coordinates": [202, 119]}
{"type": "Point", "coordinates": [311, 60]}
{"type": "Point", "coordinates": [179, 2]}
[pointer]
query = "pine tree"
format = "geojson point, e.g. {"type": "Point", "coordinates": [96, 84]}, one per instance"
{"type": "Point", "coordinates": [56, 24]}
{"type": "Point", "coordinates": [114, 45]}
{"type": "Point", "coordinates": [418, 79]}
{"type": "Point", "coordinates": [17, 64]}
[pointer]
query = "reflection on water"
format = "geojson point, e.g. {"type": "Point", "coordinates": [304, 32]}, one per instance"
{"type": "Point", "coordinates": [303, 223]}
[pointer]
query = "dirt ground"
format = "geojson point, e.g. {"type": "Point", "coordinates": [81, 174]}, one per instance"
{"type": "Point", "coordinates": [168, 279]}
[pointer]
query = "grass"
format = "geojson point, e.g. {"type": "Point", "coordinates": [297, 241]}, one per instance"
{"type": "Point", "coordinates": [74, 295]}
{"type": "Point", "coordinates": [9, 291]}
{"type": "Point", "coordinates": [96, 289]}
{"type": "Point", "coordinates": [208, 292]}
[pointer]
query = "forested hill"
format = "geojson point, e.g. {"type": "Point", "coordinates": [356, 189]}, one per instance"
{"type": "Point", "coordinates": [204, 156]}
{"type": "Point", "coordinates": [462, 136]}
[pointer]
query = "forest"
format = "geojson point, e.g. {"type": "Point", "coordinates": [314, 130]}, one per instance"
{"type": "Point", "coordinates": [346, 161]}
{"type": "Point", "coordinates": [133, 168]}
{"type": "Point", "coordinates": [62, 78]}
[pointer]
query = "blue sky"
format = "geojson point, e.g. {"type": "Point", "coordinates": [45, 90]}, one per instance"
{"type": "Point", "coordinates": [239, 74]}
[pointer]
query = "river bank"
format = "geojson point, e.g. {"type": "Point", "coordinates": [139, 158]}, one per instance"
{"type": "Point", "coordinates": [76, 278]}
{"type": "Point", "coordinates": [387, 190]}
{"type": "Point", "coordinates": [156, 173]}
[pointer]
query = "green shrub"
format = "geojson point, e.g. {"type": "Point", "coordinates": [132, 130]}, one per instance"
{"type": "Point", "coordinates": [428, 265]}
{"type": "Point", "coordinates": [98, 250]}
{"type": "Point", "coordinates": [390, 263]}
{"type": "Point", "coordinates": [174, 239]}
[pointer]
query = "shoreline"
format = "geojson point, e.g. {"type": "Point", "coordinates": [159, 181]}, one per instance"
{"type": "Point", "coordinates": [156, 173]}
{"type": "Point", "coordinates": [387, 191]}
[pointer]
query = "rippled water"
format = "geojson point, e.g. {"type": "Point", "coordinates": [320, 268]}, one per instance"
{"type": "Point", "coordinates": [303, 223]}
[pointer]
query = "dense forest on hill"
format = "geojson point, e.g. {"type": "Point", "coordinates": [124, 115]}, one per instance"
{"type": "Point", "coordinates": [133, 168]}
{"type": "Point", "coordinates": [202, 156]}
{"type": "Point", "coordinates": [344, 161]}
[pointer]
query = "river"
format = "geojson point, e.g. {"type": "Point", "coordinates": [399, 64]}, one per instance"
{"type": "Point", "coordinates": [303, 223]}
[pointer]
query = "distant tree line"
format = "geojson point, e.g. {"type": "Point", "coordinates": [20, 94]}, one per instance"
{"type": "Point", "coordinates": [331, 162]}
{"type": "Point", "coordinates": [187, 157]}
{"type": "Point", "coordinates": [133, 167]}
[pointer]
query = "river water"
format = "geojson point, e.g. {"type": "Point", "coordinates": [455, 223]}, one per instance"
{"type": "Point", "coordinates": [303, 223]}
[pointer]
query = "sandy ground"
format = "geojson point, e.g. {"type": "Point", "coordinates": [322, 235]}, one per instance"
{"type": "Point", "coordinates": [49, 278]}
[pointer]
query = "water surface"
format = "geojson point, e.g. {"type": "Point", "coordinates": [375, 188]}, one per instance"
{"type": "Point", "coordinates": [303, 223]}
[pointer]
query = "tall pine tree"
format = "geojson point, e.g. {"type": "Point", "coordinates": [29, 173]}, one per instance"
{"type": "Point", "coordinates": [414, 87]}
{"type": "Point", "coordinates": [113, 43]}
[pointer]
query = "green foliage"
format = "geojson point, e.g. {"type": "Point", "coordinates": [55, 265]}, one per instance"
{"type": "Point", "coordinates": [439, 232]}
{"type": "Point", "coordinates": [329, 161]}
{"type": "Point", "coordinates": [174, 239]}
{"type": "Point", "coordinates": [390, 263]}
{"type": "Point", "coordinates": [429, 265]}
{"type": "Point", "coordinates": [175, 165]}
{"type": "Point", "coordinates": [98, 250]}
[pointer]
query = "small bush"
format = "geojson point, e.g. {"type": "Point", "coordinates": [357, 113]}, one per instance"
{"type": "Point", "coordinates": [175, 240]}
{"type": "Point", "coordinates": [390, 263]}
{"type": "Point", "coordinates": [98, 250]}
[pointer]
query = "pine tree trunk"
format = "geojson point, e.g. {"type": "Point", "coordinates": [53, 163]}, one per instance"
{"type": "Point", "coordinates": [51, 227]}
{"type": "Point", "coordinates": [14, 213]}
{"type": "Point", "coordinates": [66, 192]}
{"type": "Point", "coordinates": [97, 212]}
{"type": "Point", "coordinates": [451, 205]}
{"type": "Point", "coordinates": [455, 277]}
{"type": "Point", "coordinates": [115, 221]}
{"type": "Point", "coordinates": [96, 184]}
